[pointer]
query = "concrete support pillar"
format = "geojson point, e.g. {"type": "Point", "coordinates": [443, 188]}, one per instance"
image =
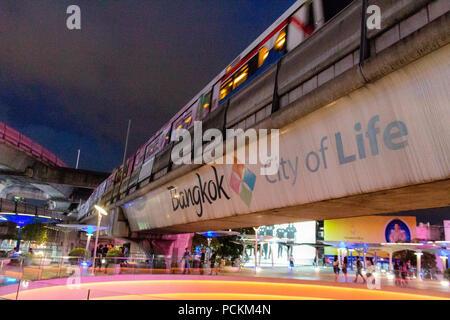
{"type": "Point", "coordinates": [271, 253]}
{"type": "Point", "coordinates": [419, 264]}
{"type": "Point", "coordinates": [256, 248]}
{"type": "Point", "coordinates": [317, 257]}
{"type": "Point", "coordinates": [260, 252]}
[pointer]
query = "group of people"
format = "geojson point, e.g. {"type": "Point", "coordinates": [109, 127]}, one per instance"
{"type": "Point", "coordinates": [102, 251]}
{"type": "Point", "coordinates": [402, 270]}
{"type": "Point", "coordinates": [359, 267]}
{"type": "Point", "coordinates": [186, 261]}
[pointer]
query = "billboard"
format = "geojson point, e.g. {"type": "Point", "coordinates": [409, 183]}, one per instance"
{"type": "Point", "coordinates": [299, 232]}
{"type": "Point", "coordinates": [372, 229]}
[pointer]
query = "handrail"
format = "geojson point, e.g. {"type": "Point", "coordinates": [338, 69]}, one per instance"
{"type": "Point", "coordinates": [12, 137]}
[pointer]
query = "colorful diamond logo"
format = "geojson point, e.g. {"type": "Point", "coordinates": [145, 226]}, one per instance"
{"type": "Point", "coordinates": [242, 182]}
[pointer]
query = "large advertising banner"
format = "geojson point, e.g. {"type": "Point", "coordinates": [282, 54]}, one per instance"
{"type": "Point", "coordinates": [391, 133]}
{"type": "Point", "coordinates": [372, 229]}
{"type": "Point", "coordinates": [296, 233]}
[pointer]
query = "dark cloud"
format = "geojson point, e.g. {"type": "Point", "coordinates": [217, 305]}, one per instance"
{"type": "Point", "coordinates": [139, 60]}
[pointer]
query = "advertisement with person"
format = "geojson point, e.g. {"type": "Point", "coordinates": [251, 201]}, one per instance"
{"type": "Point", "coordinates": [369, 230]}
{"type": "Point", "coordinates": [283, 242]}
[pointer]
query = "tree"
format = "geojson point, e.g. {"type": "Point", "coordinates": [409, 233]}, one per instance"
{"type": "Point", "coordinates": [34, 232]}
{"type": "Point", "coordinates": [428, 260]}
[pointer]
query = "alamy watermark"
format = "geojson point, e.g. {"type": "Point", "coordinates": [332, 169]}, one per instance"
{"type": "Point", "coordinates": [237, 150]}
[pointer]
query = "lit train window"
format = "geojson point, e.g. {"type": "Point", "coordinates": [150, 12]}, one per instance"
{"type": "Point", "coordinates": [240, 77]}
{"type": "Point", "coordinates": [203, 105]}
{"type": "Point", "coordinates": [262, 56]}
{"type": "Point", "coordinates": [281, 41]}
{"type": "Point", "coordinates": [225, 89]}
{"type": "Point", "coordinates": [183, 122]}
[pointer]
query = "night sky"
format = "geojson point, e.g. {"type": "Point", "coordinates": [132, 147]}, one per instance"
{"type": "Point", "coordinates": [138, 60]}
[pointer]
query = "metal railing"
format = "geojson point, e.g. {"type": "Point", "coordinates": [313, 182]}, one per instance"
{"type": "Point", "coordinates": [14, 138]}
{"type": "Point", "coordinates": [10, 206]}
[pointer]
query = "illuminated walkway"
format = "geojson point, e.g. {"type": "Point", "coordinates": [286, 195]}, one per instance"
{"type": "Point", "coordinates": [326, 274]}
{"type": "Point", "coordinates": [185, 287]}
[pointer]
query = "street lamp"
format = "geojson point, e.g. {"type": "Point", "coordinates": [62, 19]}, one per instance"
{"type": "Point", "coordinates": [101, 212]}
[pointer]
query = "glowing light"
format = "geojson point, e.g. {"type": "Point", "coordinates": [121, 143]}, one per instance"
{"type": "Point", "coordinates": [258, 269]}
{"type": "Point", "coordinates": [444, 283]}
{"type": "Point", "coordinates": [263, 54]}
{"type": "Point", "coordinates": [101, 210]}
{"type": "Point", "coordinates": [317, 269]}
{"type": "Point", "coordinates": [188, 120]}
{"type": "Point", "coordinates": [241, 77]}
{"type": "Point", "coordinates": [206, 105]}
{"type": "Point", "coordinates": [279, 43]}
{"type": "Point", "coordinates": [390, 276]}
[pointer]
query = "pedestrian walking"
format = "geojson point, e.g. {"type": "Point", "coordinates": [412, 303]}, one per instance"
{"type": "Point", "coordinates": [202, 261]}
{"type": "Point", "coordinates": [212, 262]}
{"type": "Point", "coordinates": [186, 261]}
{"type": "Point", "coordinates": [359, 270]}
{"type": "Point", "coordinates": [404, 273]}
{"type": "Point", "coordinates": [344, 269]}
{"type": "Point", "coordinates": [397, 275]}
{"type": "Point", "coordinates": [336, 269]}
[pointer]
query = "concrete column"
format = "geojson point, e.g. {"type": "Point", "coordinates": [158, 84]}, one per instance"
{"type": "Point", "coordinates": [256, 248]}
{"type": "Point", "coordinates": [260, 252]}
{"type": "Point", "coordinates": [317, 257]}
{"type": "Point", "coordinates": [419, 264]}
{"type": "Point", "coordinates": [271, 253]}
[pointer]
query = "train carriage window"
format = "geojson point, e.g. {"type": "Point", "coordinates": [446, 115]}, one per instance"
{"type": "Point", "coordinates": [183, 122]}
{"type": "Point", "coordinates": [281, 41]}
{"type": "Point", "coordinates": [225, 89]}
{"type": "Point", "coordinates": [153, 147]}
{"type": "Point", "coordinates": [204, 105]}
{"type": "Point", "coordinates": [240, 77]}
{"type": "Point", "coordinates": [262, 56]}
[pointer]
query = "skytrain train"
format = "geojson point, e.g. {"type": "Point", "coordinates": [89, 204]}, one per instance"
{"type": "Point", "coordinates": [245, 87]}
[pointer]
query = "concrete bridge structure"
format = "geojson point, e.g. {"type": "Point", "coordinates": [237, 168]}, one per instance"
{"type": "Point", "coordinates": [364, 129]}
{"type": "Point", "coordinates": [30, 171]}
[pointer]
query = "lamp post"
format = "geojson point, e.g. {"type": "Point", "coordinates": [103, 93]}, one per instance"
{"type": "Point", "coordinates": [256, 247]}
{"type": "Point", "coordinates": [101, 212]}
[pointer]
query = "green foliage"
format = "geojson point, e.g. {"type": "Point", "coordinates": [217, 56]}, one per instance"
{"type": "Point", "coordinates": [199, 240]}
{"type": "Point", "coordinates": [34, 232]}
{"type": "Point", "coordinates": [428, 260]}
{"type": "Point", "coordinates": [113, 254]}
{"type": "Point", "coordinates": [77, 252]}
